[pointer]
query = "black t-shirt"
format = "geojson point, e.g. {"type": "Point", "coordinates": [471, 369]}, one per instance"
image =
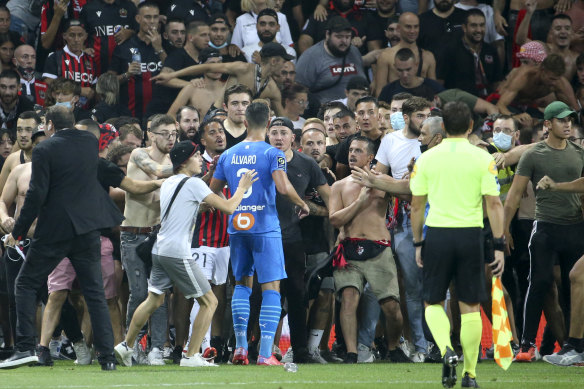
{"type": "Point", "coordinates": [436, 32]}
{"type": "Point", "coordinates": [342, 155]}
{"type": "Point", "coordinates": [231, 140]}
{"type": "Point", "coordinates": [331, 150]}
{"type": "Point", "coordinates": [312, 227]}
{"type": "Point", "coordinates": [162, 96]}
{"type": "Point", "coordinates": [101, 19]}
{"type": "Point", "coordinates": [187, 10]}
{"type": "Point", "coordinates": [303, 172]}
{"type": "Point", "coordinates": [103, 111]}
{"type": "Point", "coordinates": [459, 71]}
{"type": "Point", "coordinates": [137, 91]}
{"type": "Point", "coordinates": [109, 174]}
{"type": "Point", "coordinates": [362, 21]}
{"type": "Point", "coordinates": [8, 119]}
{"type": "Point", "coordinates": [81, 114]}
{"type": "Point", "coordinates": [427, 89]}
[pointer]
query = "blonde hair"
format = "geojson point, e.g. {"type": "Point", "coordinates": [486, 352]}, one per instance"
{"type": "Point", "coordinates": [250, 5]}
{"type": "Point", "coordinates": [108, 88]}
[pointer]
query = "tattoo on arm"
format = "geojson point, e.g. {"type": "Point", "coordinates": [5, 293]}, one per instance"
{"type": "Point", "coordinates": [148, 165]}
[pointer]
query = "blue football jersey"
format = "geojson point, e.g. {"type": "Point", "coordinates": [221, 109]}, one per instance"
{"type": "Point", "coordinates": [257, 212]}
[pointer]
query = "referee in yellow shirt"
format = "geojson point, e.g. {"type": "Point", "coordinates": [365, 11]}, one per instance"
{"type": "Point", "coordinates": [454, 178]}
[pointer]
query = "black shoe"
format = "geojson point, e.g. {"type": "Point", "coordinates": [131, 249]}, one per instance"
{"type": "Point", "coordinates": [350, 358]}
{"type": "Point", "coordinates": [330, 356]}
{"type": "Point", "coordinates": [108, 366]}
{"type": "Point", "coordinates": [469, 382]}
{"type": "Point", "coordinates": [176, 355]}
{"type": "Point", "coordinates": [67, 351]}
{"type": "Point", "coordinates": [433, 355]}
{"type": "Point", "coordinates": [20, 358]}
{"type": "Point", "coordinates": [340, 350]}
{"type": "Point", "coordinates": [219, 345]}
{"type": "Point", "coordinates": [381, 348]}
{"type": "Point", "coordinates": [397, 355]}
{"type": "Point", "coordinates": [6, 352]}
{"type": "Point", "coordinates": [44, 356]}
{"type": "Point", "coordinates": [449, 363]}
{"type": "Point", "coordinates": [301, 356]}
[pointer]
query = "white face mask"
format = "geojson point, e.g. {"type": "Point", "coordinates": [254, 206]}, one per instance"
{"type": "Point", "coordinates": [397, 121]}
{"type": "Point", "coordinates": [502, 141]}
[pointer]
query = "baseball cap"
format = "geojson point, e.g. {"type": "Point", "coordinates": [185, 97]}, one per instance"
{"type": "Point", "coordinates": [533, 50]}
{"type": "Point", "coordinates": [107, 135]}
{"type": "Point", "coordinates": [359, 83]}
{"type": "Point", "coordinates": [219, 18]}
{"type": "Point", "coordinates": [558, 110]}
{"type": "Point", "coordinates": [273, 49]}
{"type": "Point", "coordinates": [181, 152]}
{"type": "Point", "coordinates": [38, 132]}
{"type": "Point", "coordinates": [282, 121]}
{"type": "Point", "coordinates": [338, 24]}
{"type": "Point", "coordinates": [269, 12]}
{"type": "Point", "coordinates": [73, 23]}
{"type": "Point", "coordinates": [214, 113]}
{"type": "Point", "coordinates": [207, 53]}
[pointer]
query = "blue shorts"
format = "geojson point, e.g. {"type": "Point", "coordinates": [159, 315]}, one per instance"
{"type": "Point", "coordinates": [257, 252]}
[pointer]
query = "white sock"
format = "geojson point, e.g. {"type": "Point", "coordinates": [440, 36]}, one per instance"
{"type": "Point", "coordinates": [207, 339]}
{"type": "Point", "coordinates": [314, 338]}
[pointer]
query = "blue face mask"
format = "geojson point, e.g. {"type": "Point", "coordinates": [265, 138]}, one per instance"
{"type": "Point", "coordinates": [217, 47]}
{"type": "Point", "coordinates": [502, 141]}
{"type": "Point", "coordinates": [66, 104]}
{"type": "Point", "coordinates": [397, 121]}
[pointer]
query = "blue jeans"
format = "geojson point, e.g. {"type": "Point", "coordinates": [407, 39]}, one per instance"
{"type": "Point", "coordinates": [138, 283]}
{"type": "Point", "coordinates": [369, 314]}
{"type": "Point", "coordinates": [412, 277]}
{"type": "Point", "coordinates": [18, 25]}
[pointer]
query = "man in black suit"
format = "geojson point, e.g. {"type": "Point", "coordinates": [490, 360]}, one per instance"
{"type": "Point", "coordinates": [71, 207]}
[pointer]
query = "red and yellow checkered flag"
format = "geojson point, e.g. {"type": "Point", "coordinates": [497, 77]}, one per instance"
{"type": "Point", "coordinates": [501, 330]}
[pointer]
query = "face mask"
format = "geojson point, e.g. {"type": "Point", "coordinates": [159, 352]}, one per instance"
{"type": "Point", "coordinates": [66, 104]}
{"type": "Point", "coordinates": [26, 73]}
{"type": "Point", "coordinates": [217, 47]}
{"type": "Point", "coordinates": [397, 121]}
{"type": "Point", "coordinates": [502, 141]}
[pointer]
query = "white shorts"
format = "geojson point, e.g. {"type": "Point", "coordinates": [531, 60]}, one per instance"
{"type": "Point", "coordinates": [213, 261]}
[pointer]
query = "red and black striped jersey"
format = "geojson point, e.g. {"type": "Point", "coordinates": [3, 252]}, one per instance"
{"type": "Point", "coordinates": [63, 63]}
{"type": "Point", "coordinates": [48, 11]}
{"type": "Point", "coordinates": [211, 227]}
{"type": "Point", "coordinates": [137, 92]}
{"type": "Point", "coordinates": [103, 21]}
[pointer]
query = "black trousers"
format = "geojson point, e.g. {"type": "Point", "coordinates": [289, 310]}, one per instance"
{"type": "Point", "coordinates": [84, 251]}
{"type": "Point", "coordinates": [293, 291]}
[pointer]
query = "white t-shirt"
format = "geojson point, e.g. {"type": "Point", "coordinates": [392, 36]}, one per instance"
{"type": "Point", "coordinates": [176, 232]}
{"type": "Point", "coordinates": [298, 123]}
{"type": "Point", "coordinates": [245, 31]}
{"type": "Point", "coordinates": [396, 151]}
{"type": "Point", "coordinates": [249, 50]}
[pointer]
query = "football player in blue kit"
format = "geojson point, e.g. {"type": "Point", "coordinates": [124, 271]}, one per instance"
{"type": "Point", "coordinates": [254, 229]}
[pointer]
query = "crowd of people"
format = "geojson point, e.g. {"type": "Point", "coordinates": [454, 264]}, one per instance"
{"type": "Point", "coordinates": [303, 121]}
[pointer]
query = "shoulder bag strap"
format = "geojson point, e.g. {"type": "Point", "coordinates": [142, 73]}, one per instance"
{"type": "Point", "coordinates": [178, 188]}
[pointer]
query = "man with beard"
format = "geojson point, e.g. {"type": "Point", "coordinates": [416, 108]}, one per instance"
{"type": "Point", "coordinates": [174, 35]}
{"type": "Point", "coordinates": [396, 151]}
{"type": "Point", "coordinates": [363, 22]}
{"type": "Point", "coordinates": [409, 30]}
{"type": "Point", "coordinates": [386, 13]}
{"type": "Point", "coordinates": [473, 65]}
{"type": "Point", "coordinates": [267, 27]}
{"type": "Point", "coordinates": [202, 98]}
{"type": "Point", "coordinates": [188, 119]}
{"type": "Point", "coordinates": [440, 25]}
{"type": "Point", "coordinates": [25, 62]}
{"type": "Point", "coordinates": [287, 76]}
{"type": "Point", "coordinates": [142, 213]}
{"type": "Point", "coordinates": [392, 34]}
{"type": "Point", "coordinates": [327, 66]}
{"type": "Point", "coordinates": [344, 125]}
{"type": "Point", "coordinates": [560, 34]}
{"type": "Point", "coordinates": [11, 103]}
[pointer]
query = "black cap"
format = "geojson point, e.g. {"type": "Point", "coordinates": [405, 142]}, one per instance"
{"type": "Point", "coordinates": [181, 152]}
{"type": "Point", "coordinates": [208, 52]}
{"type": "Point", "coordinates": [274, 49]}
{"type": "Point", "coordinates": [269, 12]}
{"type": "Point", "coordinates": [359, 83]}
{"type": "Point", "coordinates": [219, 18]}
{"type": "Point", "coordinates": [282, 121]}
{"type": "Point", "coordinates": [214, 113]}
{"type": "Point", "coordinates": [338, 24]}
{"type": "Point", "coordinates": [73, 23]}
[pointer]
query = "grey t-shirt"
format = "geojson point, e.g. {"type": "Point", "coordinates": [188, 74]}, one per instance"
{"type": "Point", "coordinates": [561, 166]}
{"type": "Point", "coordinates": [317, 69]}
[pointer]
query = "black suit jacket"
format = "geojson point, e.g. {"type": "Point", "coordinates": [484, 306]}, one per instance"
{"type": "Point", "coordinates": [64, 192]}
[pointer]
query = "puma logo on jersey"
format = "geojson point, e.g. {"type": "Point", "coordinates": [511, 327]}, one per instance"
{"type": "Point", "coordinates": [98, 14]}
{"type": "Point", "coordinates": [67, 62]}
{"type": "Point", "coordinates": [172, 7]}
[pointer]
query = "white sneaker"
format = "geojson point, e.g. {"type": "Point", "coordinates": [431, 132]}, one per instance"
{"type": "Point", "coordinates": [124, 354]}
{"type": "Point", "coordinates": [196, 360]}
{"type": "Point", "coordinates": [82, 352]}
{"type": "Point", "coordinates": [288, 357]}
{"type": "Point", "coordinates": [418, 357]}
{"type": "Point", "coordinates": [155, 357]}
{"type": "Point", "coordinates": [406, 348]}
{"type": "Point", "coordinates": [167, 353]}
{"type": "Point", "coordinates": [315, 357]}
{"type": "Point", "coordinates": [55, 347]}
{"type": "Point", "coordinates": [364, 354]}
{"type": "Point", "coordinates": [567, 356]}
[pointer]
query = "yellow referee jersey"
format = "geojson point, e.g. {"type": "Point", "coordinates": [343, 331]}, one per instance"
{"type": "Point", "coordinates": [455, 176]}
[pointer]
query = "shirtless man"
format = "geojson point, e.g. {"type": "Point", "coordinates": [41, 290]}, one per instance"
{"type": "Point", "coordinates": [360, 215]}
{"type": "Point", "coordinates": [530, 83]}
{"type": "Point", "coordinates": [560, 37]}
{"type": "Point", "coordinates": [202, 98]}
{"type": "Point", "coordinates": [142, 213]}
{"type": "Point", "coordinates": [26, 125]}
{"type": "Point", "coordinates": [409, 29]}
{"type": "Point", "coordinates": [256, 77]}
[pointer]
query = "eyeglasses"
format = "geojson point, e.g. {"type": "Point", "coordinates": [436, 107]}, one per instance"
{"type": "Point", "coordinates": [505, 131]}
{"type": "Point", "coordinates": [574, 139]}
{"type": "Point", "coordinates": [302, 102]}
{"type": "Point", "coordinates": [167, 135]}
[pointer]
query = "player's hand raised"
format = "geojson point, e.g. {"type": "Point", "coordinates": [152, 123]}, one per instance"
{"type": "Point", "coordinates": [248, 179]}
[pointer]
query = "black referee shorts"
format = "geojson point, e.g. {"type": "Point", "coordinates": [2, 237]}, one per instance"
{"type": "Point", "coordinates": [454, 254]}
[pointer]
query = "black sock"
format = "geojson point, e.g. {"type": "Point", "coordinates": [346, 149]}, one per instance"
{"type": "Point", "coordinates": [577, 343]}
